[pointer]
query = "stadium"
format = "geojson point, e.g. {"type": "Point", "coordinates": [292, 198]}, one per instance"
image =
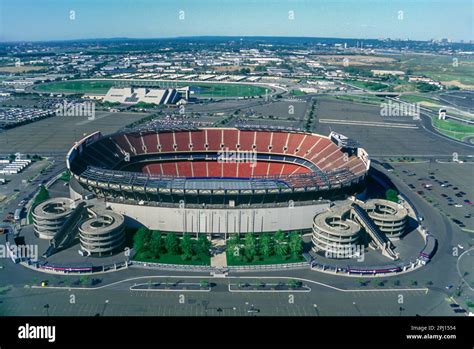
{"type": "Point", "coordinates": [217, 180]}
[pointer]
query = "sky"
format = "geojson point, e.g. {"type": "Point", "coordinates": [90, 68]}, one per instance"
{"type": "Point", "coordinates": [34, 20]}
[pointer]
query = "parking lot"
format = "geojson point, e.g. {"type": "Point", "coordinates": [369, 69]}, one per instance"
{"type": "Point", "coordinates": [57, 134]}
{"type": "Point", "coordinates": [380, 139]}
{"type": "Point", "coordinates": [121, 301]}
{"type": "Point", "coordinates": [10, 117]}
{"type": "Point", "coordinates": [446, 186]}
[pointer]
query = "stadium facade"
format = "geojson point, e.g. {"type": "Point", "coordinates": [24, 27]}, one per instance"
{"type": "Point", "coordinates": [217, 180]}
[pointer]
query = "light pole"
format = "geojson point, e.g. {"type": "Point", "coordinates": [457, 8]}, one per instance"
{"type": "Point", "coordinates": [105, 305]}
{"type": "Point", "coordinates": [315, 306]}
{"type": "Point", "coordinates": [357, 308]}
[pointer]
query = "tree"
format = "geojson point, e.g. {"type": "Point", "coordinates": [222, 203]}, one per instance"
{"type": "Point", "coordinates": [266, 246]}
{"type": "Point", "coordinates": [141, 239]}
{"type": "Point", "coordinates": [43, 194]}
{"type": "Point", "coordinates": [294, 283]}
{"type": "Point", "coordinates": [172, 243]}
{"type": "Point", "coordinates": [233, 245]}
{"type": "Point", "coordinates": [281, 249]}
{"type": "Point", "coordinates": [157, 245]}
{"type": "Point", "coordinates": [84, 279]}
{"type": "Point", "coordinates": [279, 236]}
{"type": "Point", "coordinates": [250, 245]}
{"type": "Point", "coordinates": [234, 240]}
{"type": "Point", "coordinates": [391, 195]}
{"type": "Point", "coordinates": [295, 244]}
{"type": "Point", "coordinates": [187, 246]}
{"type": "Point", "coordinates": [204, 245]}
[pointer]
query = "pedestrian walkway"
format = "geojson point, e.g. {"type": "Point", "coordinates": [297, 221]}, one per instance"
{"type": "Point", "coordinates": [218, 257]}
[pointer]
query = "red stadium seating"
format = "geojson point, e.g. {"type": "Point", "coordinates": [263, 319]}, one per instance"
{"type": "Point", "coordinates": [294, 142]}
{"type": "Point", "coordinates": [308, 142]}
{"type": "Point", "coordinates": [169, 169]}
{"type": "Point", "coordinates": [231, 139]}
{"type": "Point", "coordinates": [184, 169]}
{"type": "Point", "coordinates": [123, 143]}
{"type": "Point", "coordinates": [279, 142]}
{"type": "Point", "coordinates": [151, 142]}
{"type": "Point", "coordinates": [263, 141]}
{"type": "Point", "coordinates": [182, 141]}
{"type": "Point", "coordinates": [214, 138]}
{"type": "Point", "coordinates": [136, 142]}
{"type": "Point", "coordinates": [199, 168]}
{"type": "Point", "coordinates": [167, 142]}
{"type": "Point", "coordinates": [246, 139]}
{"type": "Point", "coordinates": [230, 169]}
{"type": "Point", "coordinates": [214, 169]}
{"type": "Point", "coordinates": [318, 150]}
{"type": "Point", "coordinates": [198, 140]}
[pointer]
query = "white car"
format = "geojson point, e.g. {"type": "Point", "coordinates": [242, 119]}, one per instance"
{"type": "Point", "coordinates": [458, 205]}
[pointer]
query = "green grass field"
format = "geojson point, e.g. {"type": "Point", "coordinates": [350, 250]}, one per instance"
{"type": "Point", "coordinates": [202, 89]}
{"type": "Point", "coordinates": [417, 98]}
{"type": "Point", "coordinates": [439, 67]}
{"type": "Point", "coordinates": [368, 85]}
{"type": "Point", "coordinates": [453, 129]}
{"type": "Point", "coordinates": [364, 99]}
{"type": "Point", "coordinates": [297, 93]}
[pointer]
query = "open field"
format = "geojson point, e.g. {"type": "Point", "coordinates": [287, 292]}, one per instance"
{"type": "Point", "coordinates": [453, 129]}
{"type": "Point", "coordinates": [368, 85]}
{"type": "Point", "coordinates": [22, 69]}
{"type": "Point", "coordinates": [364, 99]}
{"type": "Point", "coordinates": [355, 60]}
{"type": "Point", "coordinates": [200, 89]}
{"type": "Point", "coordinates": [452, 71]}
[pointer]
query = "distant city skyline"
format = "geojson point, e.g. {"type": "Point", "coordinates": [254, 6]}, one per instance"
{"type": "Point", "coordinates": [43, 20]}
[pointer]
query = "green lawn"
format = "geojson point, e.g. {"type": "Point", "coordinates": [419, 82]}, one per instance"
{"type": "Point", "coordinates": [202, 89]}
{"type": "Point", "coordinates": [175, 259]}
{"type": "Point", "coordinates": [42, 196]}
{"type": "Point", "coordinates": [453, 129]}
{"type": "Point", "coordinates": [439, 67]}
{"type": "Point", "coordinates": [297, 93]}
{"type": "Point", "coordinates": [232, 260]}
{"type": "Point", "coordinates": [365, 99]}
{"type": "Point", "coordinates": [65, 176]}
{"type": "Point", "coordinates": [416, 98]}
{"type": "Point", "coordinates": [368, 85]}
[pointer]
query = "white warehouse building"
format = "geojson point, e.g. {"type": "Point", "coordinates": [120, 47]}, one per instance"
{"type": "Point", "coordinates": [133, 95]}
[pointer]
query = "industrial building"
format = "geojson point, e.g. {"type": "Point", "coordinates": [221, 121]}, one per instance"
{"type": "Point", "coordinates": [134, 95]}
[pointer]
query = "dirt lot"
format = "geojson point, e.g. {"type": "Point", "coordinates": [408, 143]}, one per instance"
{"type": "Point", "coordinates": [22, 69]}
{"type": "Point", "coordinates": [358, 60]}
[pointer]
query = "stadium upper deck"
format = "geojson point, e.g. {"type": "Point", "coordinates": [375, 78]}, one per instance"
{"type": "Point", "coordinates": [215, 161]}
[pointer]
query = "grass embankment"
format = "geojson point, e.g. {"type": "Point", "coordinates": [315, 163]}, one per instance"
{"type": "Point", "coordinates": [40, 197]}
